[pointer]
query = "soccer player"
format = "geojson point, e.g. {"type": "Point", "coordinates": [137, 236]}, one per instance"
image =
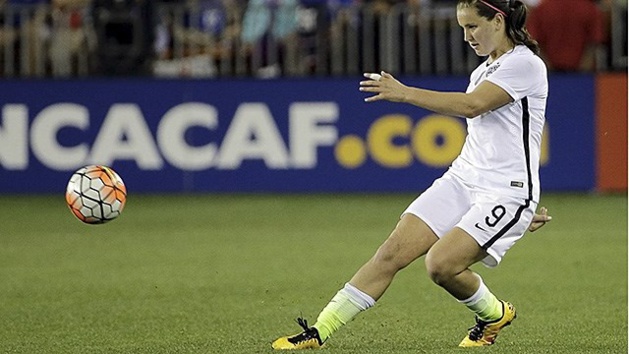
{"type": "Point", "coordinates": [486, 200]}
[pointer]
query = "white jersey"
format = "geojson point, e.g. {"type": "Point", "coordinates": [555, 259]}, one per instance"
{"type": "Point", "coordinates": [502, 149]}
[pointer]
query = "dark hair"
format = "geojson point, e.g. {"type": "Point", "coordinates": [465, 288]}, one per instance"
{"type": "Point", "coordinates": [515, 18]}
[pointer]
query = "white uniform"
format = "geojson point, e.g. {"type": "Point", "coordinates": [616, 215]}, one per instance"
{"type": "Point", "coordinates": [492, 188]}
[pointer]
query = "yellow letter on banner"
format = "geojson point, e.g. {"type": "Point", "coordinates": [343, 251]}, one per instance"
{"type": "Point", "coordinates": [425, 134]}
{"type": "Point", "coordinates": [380, 141]}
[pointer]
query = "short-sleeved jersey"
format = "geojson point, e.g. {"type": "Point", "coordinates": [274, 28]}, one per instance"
{"type": "Point", "coordinates": [501, 153]}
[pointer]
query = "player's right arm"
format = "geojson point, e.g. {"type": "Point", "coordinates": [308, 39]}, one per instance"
{"type": "Point", "coordinates": [486, 97]}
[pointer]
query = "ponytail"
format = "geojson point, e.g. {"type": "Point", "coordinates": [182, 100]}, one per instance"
{"type": "Point", "coordinates": [515, 13]}
{"type": "Point", "coordinates": [516, 27]}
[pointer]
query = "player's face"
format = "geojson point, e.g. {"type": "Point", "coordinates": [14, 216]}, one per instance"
{"type": "Point", "coordinates": [482, 34]}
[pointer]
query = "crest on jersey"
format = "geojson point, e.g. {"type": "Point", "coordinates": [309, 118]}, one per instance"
{"type": "Point", "coordinates": [492, 69]}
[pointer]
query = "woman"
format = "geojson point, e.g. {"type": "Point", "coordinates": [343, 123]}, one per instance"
{"type": "Point", "coordinates": [486, 200]}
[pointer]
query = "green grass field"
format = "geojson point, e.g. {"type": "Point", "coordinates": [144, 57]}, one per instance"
{"type": "Point", "coordinates": [228, 274]}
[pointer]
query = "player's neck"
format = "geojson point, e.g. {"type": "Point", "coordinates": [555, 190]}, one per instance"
{"type": "Point", "coordinates": [504, 47]}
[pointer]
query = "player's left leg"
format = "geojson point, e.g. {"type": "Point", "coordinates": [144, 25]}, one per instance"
{"type": "Point", "coordinates": [410, 239]}
{"type": "Point", "coordinates": [447, 264]}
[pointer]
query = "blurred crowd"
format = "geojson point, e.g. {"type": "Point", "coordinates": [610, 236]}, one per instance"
{"type": "Point", "coordinates": [270, 38]}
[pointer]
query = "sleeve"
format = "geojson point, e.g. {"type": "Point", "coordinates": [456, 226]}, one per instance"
{"type": "Point", "coordinates": [517, 77]}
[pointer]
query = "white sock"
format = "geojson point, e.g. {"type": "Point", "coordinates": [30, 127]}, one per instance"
{"type": "Point", "coordinates": [360, 299]}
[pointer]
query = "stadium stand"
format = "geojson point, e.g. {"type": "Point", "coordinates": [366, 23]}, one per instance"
{"type": "Point", "coordinates": [255, 38]}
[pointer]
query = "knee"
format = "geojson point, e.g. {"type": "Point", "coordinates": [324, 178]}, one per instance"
{"type": "Point", "coordinates": [439, 270]}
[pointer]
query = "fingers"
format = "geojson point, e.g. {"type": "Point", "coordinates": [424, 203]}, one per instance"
{"type": "Point", "coordinates": [543, 215]}
{"type": "Point", "coordinates": [544, 211]}
{"type": "Point", "coordinates": [379, 85]}
{"type": "Point", "coordinates": [535, 225]}
{"type": "Point", "coordinates": [374, 98]}
{"type": "Point", "coordinates": [373, 76]}
{"type": "Point", "coordinates": [371, 85]}
{"type": "Point", "coordinates": [540, 220]}
{"type": "Point", "coordinates": [369, 88]}
{"type": "Point", "coordinates": [374, 80]}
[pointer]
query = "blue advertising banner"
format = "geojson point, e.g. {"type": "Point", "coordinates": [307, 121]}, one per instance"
{"type": "Point", "coordinates": [259, 136]}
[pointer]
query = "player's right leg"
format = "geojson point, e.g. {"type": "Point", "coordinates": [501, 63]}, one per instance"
{"type": "Point", "coordinates": [485, 233]}
{"type": "Point", "coordinates": [410, 239]}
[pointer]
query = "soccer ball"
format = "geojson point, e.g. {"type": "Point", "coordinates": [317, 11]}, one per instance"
{"type": "Point", "coordinates": [96, 194]}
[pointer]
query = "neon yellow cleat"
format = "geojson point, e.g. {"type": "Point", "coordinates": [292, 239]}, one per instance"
{"type": "Point", "coordinates": [485, 333]}
{"type": "Point", "coordinates": [308, 339]}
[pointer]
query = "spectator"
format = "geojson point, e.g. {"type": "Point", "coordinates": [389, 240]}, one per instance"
{"type": "Point", "coordinates": [569, 33]}
{"type": "Point", "coordinates": [163, 45]}
{"type": "Point", "coordinates": [211, 26]}
{"type": "Point", "coordinates": [71, 40]}
{"type": "Point", "coordinates": [269, 36]}
{"type": "Point", "coordinates": [7, 36]}
{"type": "Point", "coordinates": [194, 42]}
{"type": "Point", "coordinates": [380, 7]}
{"type": "Point", "coordinates": [24, 35]}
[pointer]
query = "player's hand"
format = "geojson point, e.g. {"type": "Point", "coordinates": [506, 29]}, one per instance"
{"type": "Point", "coordinates": [384, 87]}
{"type": "Point", "coordinates": [540, 219]}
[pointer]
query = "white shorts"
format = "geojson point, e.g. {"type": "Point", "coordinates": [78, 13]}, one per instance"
{"type": "Point", "coordinates": [496, 222]}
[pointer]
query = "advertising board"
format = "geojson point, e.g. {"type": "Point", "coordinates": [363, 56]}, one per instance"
{"type": "Point", "coordinates": [260, 136]}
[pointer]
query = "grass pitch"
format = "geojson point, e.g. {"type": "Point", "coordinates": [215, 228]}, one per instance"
{"type": "Point", "coordinates": [228, 274]}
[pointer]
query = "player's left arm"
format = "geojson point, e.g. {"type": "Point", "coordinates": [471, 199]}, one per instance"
{"type": "Point", "coordinates": [486, 97]}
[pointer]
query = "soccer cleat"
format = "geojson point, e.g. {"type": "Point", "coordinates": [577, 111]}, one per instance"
{"type": "Point", "coordinates": [485, 333]}
{"type": "Point", "coordinates": [308, 339]}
